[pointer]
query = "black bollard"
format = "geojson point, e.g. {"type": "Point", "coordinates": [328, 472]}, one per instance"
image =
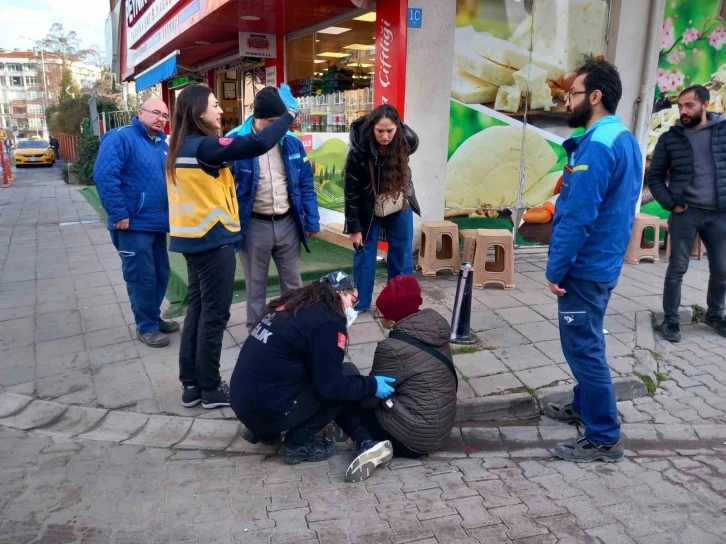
{"type": "Point", "coordinates": [461, 318]}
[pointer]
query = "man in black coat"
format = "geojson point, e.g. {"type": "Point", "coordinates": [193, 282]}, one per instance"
{"type": "Point", "coordinates": [692, 156]}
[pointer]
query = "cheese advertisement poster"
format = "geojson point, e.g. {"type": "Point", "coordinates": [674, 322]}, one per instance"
{"type": "Point", "coordinates": [514, 62]}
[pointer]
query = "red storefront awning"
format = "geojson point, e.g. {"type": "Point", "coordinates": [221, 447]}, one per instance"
{"type": "Point", "coordinates": [203, 30]}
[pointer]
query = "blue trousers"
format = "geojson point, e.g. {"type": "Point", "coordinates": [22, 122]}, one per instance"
{"type": "Point", "coordinates": [399, 235]}
{"type": "Point", "coordinates": [581, 315]}
{"type": "Point", "coordinates": [145, 265]}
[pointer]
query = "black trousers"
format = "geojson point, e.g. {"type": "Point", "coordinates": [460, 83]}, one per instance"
{"type": "Point", "coordinates": [310, 414]}
{"type": "Point", "coordinates": [211, 289]}
{"type": "Point", "coordinates": [683, 227]}
{"type": "Point", "coordinates": [361, 424]}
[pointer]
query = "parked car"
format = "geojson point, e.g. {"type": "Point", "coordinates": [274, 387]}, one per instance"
{"type": "Point", "coordinates": [34, 151]}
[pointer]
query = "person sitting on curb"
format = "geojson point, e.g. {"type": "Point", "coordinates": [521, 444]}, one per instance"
{"type": "Point", "coordinates": [417, 418]}
{"type": "Point", "coordinates": [290, 375]}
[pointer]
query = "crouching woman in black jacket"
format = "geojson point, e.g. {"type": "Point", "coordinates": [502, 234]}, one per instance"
{"type": "Point", "coordinates": [290, 375]}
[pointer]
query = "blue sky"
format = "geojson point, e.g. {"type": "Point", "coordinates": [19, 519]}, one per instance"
{"type": "Point", "coordinates": [33, 19]}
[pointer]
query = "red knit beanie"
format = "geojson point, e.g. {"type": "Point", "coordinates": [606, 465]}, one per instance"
{"type": "Point", "coordinates": [400, 298]}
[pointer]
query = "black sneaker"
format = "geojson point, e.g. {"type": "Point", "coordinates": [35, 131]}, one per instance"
{"type": "Point", "coordinates": [563, 413]}
{"type": "Point", "coordinates": [154, 339]}
{"type": "Point", "coordinates": [370, 455]}
{"type": "Point", "coordinates": [168, 326]}
{"type": "Point", "coordinates": [671, 331]}
{"type": "Point", "coordinates": [252, 438]}
{"type": "Point", "coordinates": [717, 323]}
{"type": "Point", "coordinates": [585, 450]}
{"type": "Point", "coordinates": [191, 395]}
{"type": "Point", "coordinates": [315, 449]}
{"type": "Point", "coordinates": [218, 398]}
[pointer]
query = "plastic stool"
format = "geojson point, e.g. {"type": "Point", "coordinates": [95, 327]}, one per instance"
{"type": "Point", "coordinates": [636, 251]}
{"type": "Point", "coordinates": [501, 271]}
{"type": "Point", "coordinates": [431, 261]}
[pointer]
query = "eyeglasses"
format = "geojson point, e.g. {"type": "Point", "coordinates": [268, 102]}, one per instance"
{"type": "Point", "coordinates": [568, 96]}
{"type": "Point", "coordinates": [354, 297]}
{"type": "Point", "coordinates": [377, 314]}
{"type": "Point", "coordinates": [157, 113]}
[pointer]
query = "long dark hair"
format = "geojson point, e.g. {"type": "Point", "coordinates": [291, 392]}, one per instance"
{"type": "Point", "coordinates": [394, 175]}
{"type": "Point", "coordinates": [191, 103]}
{"type": "Point", "coordinates": [294, 301]}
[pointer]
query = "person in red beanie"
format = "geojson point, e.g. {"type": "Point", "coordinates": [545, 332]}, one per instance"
{"type": "Point", "coordinates": [417, 418]}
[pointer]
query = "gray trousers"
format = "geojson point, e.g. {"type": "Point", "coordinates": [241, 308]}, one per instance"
{"type": "Point", "coordinates": [264, 239]}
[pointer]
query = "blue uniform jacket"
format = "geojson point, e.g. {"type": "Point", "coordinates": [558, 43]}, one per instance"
{"type": "Point", "coordinates": [595, 210]}
{"type": "Point", "coordinates": [300, 184]}
{"type": "Point", "coordinates": [130, 175]}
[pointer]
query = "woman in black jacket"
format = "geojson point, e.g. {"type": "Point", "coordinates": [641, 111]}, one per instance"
{"type": "Point", "coordinates": [291, 374]}
{"type": "Point", "coordinates": [379, 196]}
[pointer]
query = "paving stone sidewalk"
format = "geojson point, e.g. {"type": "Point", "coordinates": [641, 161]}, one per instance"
{"type": "Point", "coordinates": [67, 334]}
{"type": "Point", "coordinates": [57, 490]}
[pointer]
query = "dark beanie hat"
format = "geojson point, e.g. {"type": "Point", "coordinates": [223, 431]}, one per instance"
{"type": "Point", "coordinates": [269, 104]}
{"type": "Point", "coordinates": [400, 298]}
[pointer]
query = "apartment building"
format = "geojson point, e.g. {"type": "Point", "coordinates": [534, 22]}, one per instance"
{"type": "Point", "coordinates": [22, 89]}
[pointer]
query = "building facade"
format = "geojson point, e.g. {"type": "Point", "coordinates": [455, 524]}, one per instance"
{"type": "Point", "coordinates": [481, 81]}
{"type": "Point", "coordinates": [23, 98]}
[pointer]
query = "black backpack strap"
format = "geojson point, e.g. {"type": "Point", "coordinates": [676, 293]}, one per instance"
{"type": "Point", "coordinates": [403, 337]}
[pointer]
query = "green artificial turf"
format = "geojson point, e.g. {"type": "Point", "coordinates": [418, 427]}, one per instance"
{"type": "Point", "coordinates": [324, 257]}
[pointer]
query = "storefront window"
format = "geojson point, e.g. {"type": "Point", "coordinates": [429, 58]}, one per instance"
{"type": "Point", "coordinates": [514, 63]}
{"type": "Point", "coordinates": [330, 72]}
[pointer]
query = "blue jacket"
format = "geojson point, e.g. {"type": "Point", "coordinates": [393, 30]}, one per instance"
{"type": "Point", "coordinates": [300, 184]}
{"type": "Point", "coordinates": [130, 175]}
{"type": "Point", "coordinates": [595, 210]}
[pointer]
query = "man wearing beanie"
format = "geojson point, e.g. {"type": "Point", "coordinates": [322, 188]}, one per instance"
{"type": "Point", "coordinates": [418, 417]}
{"type": "Point", "coordinates": [278, 208]}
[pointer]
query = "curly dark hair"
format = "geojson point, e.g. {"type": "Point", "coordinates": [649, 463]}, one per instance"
{"type": "Point", "coordinates": [394, 172]}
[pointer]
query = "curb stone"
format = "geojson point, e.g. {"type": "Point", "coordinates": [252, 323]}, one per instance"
{"type": "Point", "coordinates": [685, 316]}
{"type": "Point", "coordinates": [644, 335]}
{"type": "Point", "coordinates": [497, 407]}
{"type": "Point", "coordinates": [626, 388]}
{"type": "Point", "coordinates": [182, 433]}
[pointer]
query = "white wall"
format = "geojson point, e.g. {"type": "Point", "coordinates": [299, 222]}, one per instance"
{"type": "Point", "coordinates": [627, 50]}
{"type": "Point", "coordinates": [429, 61]}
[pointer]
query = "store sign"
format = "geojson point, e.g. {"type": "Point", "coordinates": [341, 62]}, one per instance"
{"type": "Point", "coordinates": [390, 71]}
{"type": "Point", "coordinates": [135, 8]}
{"type": "Point", "coordinates": [181, 82]}
{"type": "Point", "coordinates": [154, 13]}
{"type": "Point", "coordinates": [258, 45]}
{"type": "Point", "coordinates": [271, 76]}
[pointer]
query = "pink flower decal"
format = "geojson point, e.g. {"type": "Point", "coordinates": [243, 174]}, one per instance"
{"type": "Point", "coordinates": [717, 38]}
{"type": "Point", "coordinates": [675, 56]}
{"type": "Point", "coordinates": [667, 37]}
{"type": "Point", "coordinates": [690, 35]}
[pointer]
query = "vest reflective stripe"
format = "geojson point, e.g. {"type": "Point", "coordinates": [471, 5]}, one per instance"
{"type": "Point", "coordinates": [213, 215]}
{"type": "Point", "coordinates": [186, 160]}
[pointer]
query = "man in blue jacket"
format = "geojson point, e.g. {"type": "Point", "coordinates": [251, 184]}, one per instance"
{"type": "Point", "coordinates": [130, 176]}
{"type": "Point", "coordinates": [590, 234]}
{"type": "Point", "coordinates": [278, 207]}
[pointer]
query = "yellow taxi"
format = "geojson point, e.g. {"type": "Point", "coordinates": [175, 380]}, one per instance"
{"type": "Point", "coordinates": [34, 151]}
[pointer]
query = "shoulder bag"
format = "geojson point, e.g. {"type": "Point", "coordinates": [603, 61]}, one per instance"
{"type": "Point", "coordinates": [386, 204]}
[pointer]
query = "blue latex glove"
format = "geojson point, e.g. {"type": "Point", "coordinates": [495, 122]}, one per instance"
{"type": "Point", "coordinates": [287, 98]}
{"type": "Point", "coordinates": [384, 390]}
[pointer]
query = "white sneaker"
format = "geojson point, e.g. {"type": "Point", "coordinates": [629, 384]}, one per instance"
{"type": "Point", "coordinates": [370, 455]}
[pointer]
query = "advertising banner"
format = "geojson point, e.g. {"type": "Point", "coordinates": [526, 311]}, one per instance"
{"type": "Point", "coordinates": [257, 45]}
{"type": "Point", "coordinates": [692, 52]}
{"type": "Point", "coordinates": [514, 62]}
{"type": "Point", "coordinates": [326, 152]}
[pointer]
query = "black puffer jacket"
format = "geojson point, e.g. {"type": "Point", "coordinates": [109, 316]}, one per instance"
{"type": "Point", "coordinates": [673, 157]}
{"type": "Point", "coordinates": [424, 404]}
{"type": "Point", "coordinates": [359, 198]}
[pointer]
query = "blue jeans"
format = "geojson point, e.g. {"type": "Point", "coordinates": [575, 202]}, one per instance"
{"type": "Point", "coordinates": [145, 265]}
{"type": "Point", "coordinates": [581, 314]}
{"type": "Point", "coordinates": [399, 235]}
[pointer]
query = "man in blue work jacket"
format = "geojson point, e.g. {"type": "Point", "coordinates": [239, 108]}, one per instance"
{"type": "Point", "coordinates": [278, 207]}
{"type": "Point", "coordinates": [130, 176]}
{"type": "Point", "coordinates": [590, 234]}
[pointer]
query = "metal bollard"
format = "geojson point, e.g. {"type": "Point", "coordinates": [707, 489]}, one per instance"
{"type": "Point", "coordinates": [461, 318]}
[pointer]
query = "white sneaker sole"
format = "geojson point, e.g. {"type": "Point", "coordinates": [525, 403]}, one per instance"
{"type": "Point", "coordinates": [215, 405]}
{"type": "Point", "coordinates": [191, 404]}
{"type": "Point", "coordinates": [363, 465]}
